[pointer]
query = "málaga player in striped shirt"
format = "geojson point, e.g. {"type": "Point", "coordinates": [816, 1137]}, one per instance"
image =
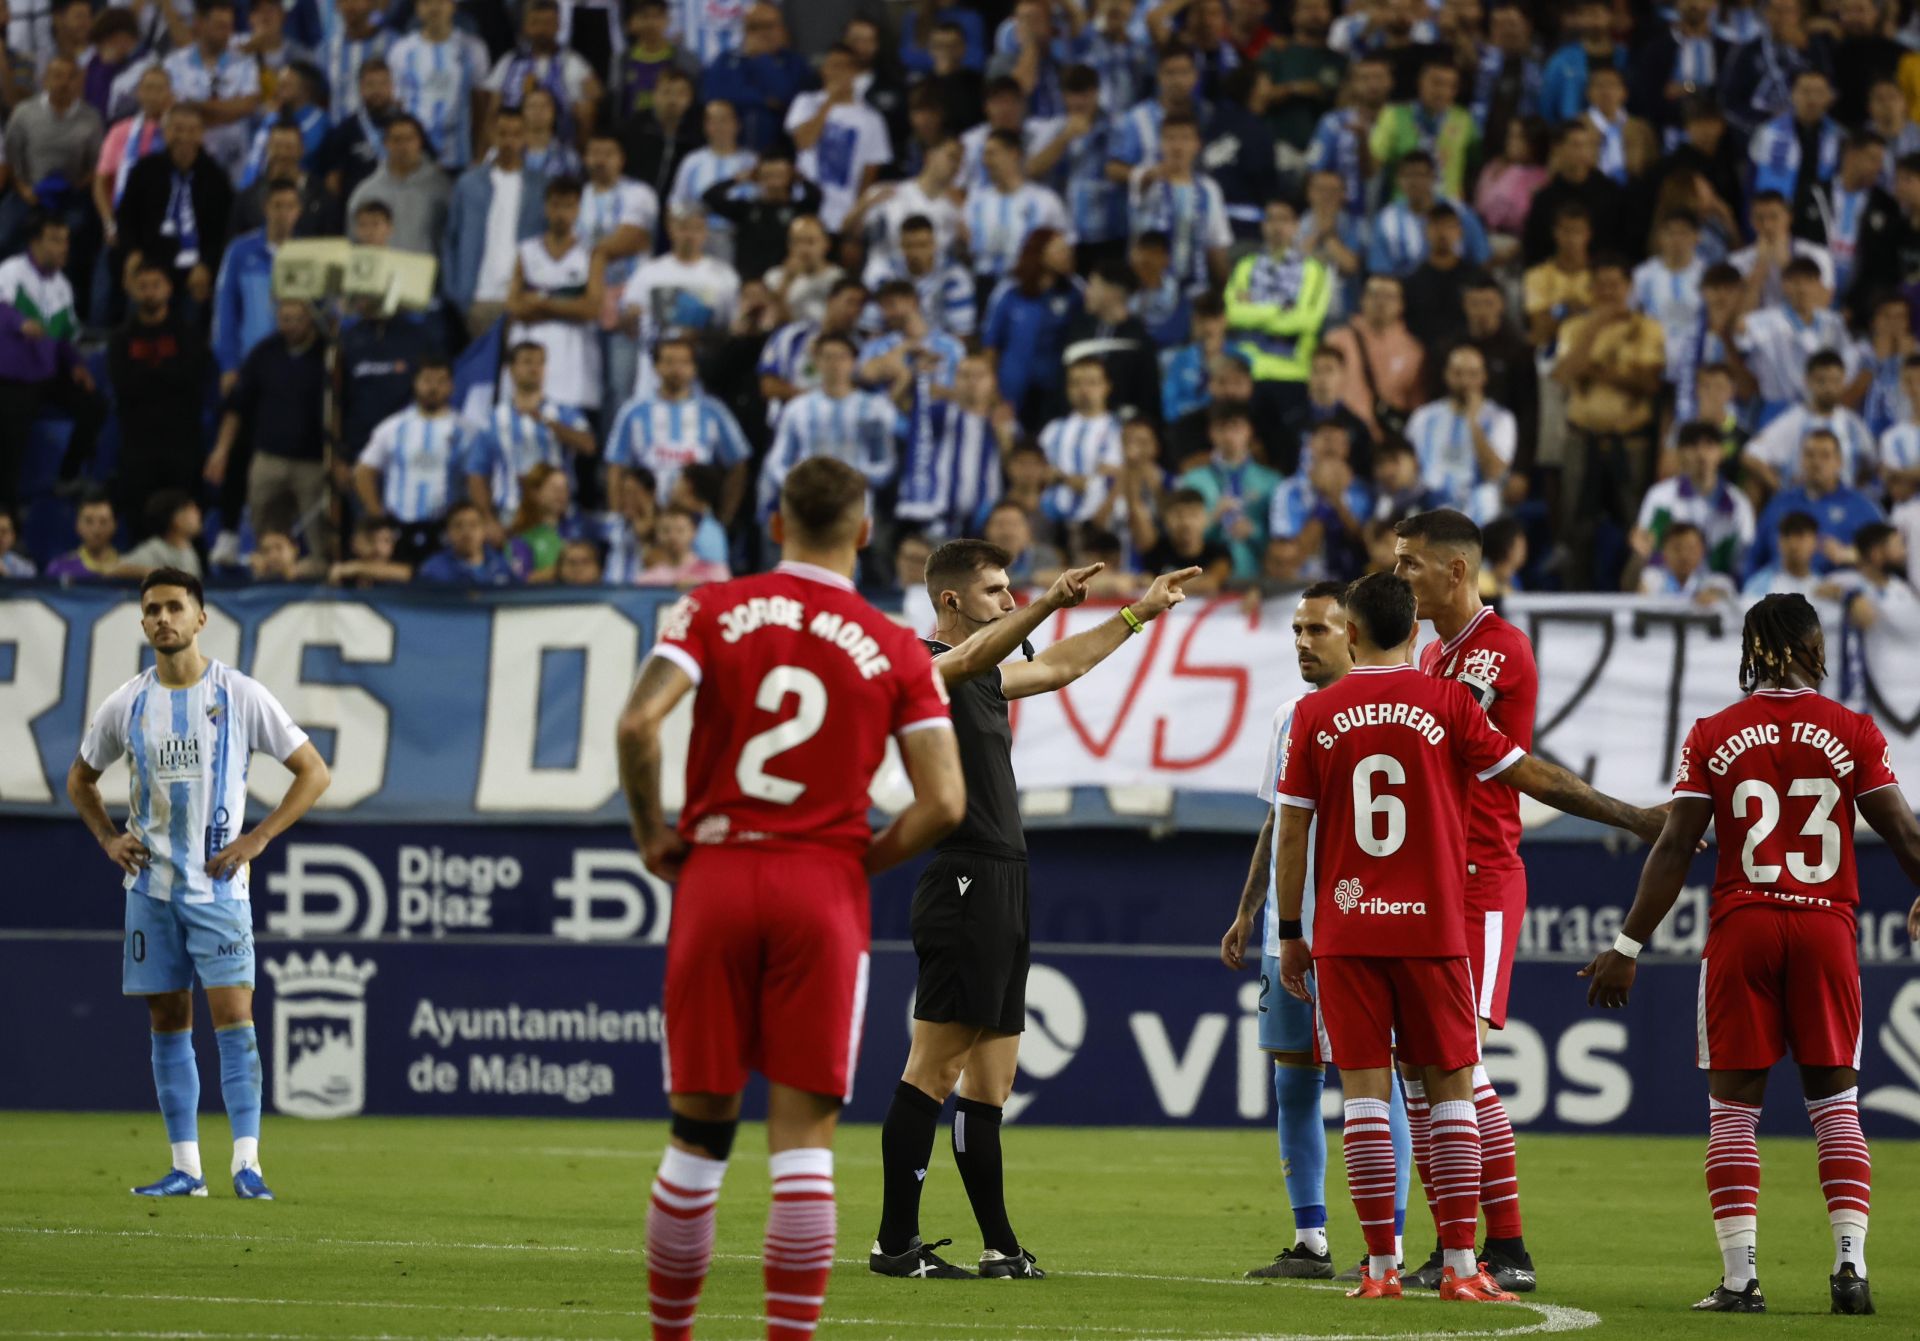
{"type": "Point", "coordinates": [192, 726]}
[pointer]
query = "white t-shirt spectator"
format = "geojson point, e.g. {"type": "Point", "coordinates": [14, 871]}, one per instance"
{"type": "Point", "coordinates": [853, 140]}
{"type": "Point", "coordinates": [1081, 444]}
{"type": "Point", "coordinates": [1776, 344]}
{"type": "Point", "coordinates": [999, 223]}
{"type": "Point", "coordinates": [1778, 444]}
{"type": "Point", "coordinates": [1444, 443]}
{"type": "Point", "coordinates": [677, 295]}
{"type": "Point", "coordinates": [503, 236]}
{"type": "Point", "coordinates": [1743, 261]}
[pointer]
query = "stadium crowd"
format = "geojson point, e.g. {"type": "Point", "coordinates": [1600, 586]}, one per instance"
{"type": "Point", "coordinates": [1154, 282]}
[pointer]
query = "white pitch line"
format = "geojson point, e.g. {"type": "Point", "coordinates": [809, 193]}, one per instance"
{"type": "Point", "coordinates": [1554, 1318]}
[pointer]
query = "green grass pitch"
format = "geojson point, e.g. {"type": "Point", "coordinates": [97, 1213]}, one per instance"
{"type": "Point", "coordinates": [532, 1229]}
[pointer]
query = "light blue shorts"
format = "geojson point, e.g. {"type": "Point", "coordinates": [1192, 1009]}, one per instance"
{"type": "Point", "coordinates": [169, 941]}
{"type": "Point", "coordinates": [1286, 1022]}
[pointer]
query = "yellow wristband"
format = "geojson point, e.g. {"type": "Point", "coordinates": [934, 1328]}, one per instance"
{"type": "Point", "coordinates": [1134, 623]}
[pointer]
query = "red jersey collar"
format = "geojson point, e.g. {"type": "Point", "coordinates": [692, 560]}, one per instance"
{"type": "Point", "coordinates": [1379, 670]}
{"type": "Point", "coordinates": [813, 572]}
{"type": "Point", "coordinates": [1781, 693]}
{"type": "Point", "coordinates": [1461, 636]}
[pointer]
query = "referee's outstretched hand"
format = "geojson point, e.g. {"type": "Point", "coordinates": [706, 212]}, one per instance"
{"type": "Point", "coordinates": [1167, 591]}
{"type": "Point", "coordinates": [1071, 587]}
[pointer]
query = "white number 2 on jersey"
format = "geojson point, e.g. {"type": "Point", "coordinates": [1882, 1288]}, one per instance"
{"type": "Point", "coordinates": [1818, 825]}
{"type": "Point", "coordinates": [751, 772]}
{"type": "Point", "coordinates": [1366, 805]}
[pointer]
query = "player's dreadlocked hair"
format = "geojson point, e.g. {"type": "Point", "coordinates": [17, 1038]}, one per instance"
{"type": "Point", "coordinates": [1781, 635]}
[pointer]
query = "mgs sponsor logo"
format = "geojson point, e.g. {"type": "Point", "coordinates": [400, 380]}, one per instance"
{"type": "Point", "coordinates": [320, 1034]}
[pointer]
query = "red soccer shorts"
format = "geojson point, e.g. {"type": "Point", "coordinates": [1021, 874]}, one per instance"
{"type": "Point", "coordinates": [1779, 980]}
{"type": "Point", "coordinates": [766, 970]}
{"type": "Point", "coordinates": [1422, 1007]}
{"type": "Point", "coordinates": [1496, 906]}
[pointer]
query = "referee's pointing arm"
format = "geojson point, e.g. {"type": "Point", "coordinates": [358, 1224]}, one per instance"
{"type": "Point", "coordinates": [996, 642]}
{"type": "Point", "coordinates": [1070, 658]}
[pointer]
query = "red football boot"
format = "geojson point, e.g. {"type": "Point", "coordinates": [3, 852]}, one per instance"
{"type": "Point", "coordinates": [1386, 1287]}
{"type": "Point", "coordinates": [1478, 1288]}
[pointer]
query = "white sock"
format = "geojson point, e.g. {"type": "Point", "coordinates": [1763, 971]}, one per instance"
{"type": "Point", "coordinates": [1850, 1246]}
{"type": "Point", "coordinates": [1739, 1237]}
{"type": "Point", "coordinates": [1400, 1247]}
{"type": "Point", "coordinates": [1378, 1267]}
{"type": "Point", "coordinates": [246, 1154]}
{"type": "Point", "coordinates": [186, 1157]}
{"type": "Point", "coordinates": [1461, 1260]}
{"type": "Point", "coordinates": [1315, 1239]}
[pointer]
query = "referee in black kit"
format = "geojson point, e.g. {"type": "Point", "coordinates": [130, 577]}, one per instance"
{"type": "Point", "coordinates": [970, 914]}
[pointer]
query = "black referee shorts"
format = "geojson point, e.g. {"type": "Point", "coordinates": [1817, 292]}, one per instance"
{"type": "Point", "coordinates": [972, 933]}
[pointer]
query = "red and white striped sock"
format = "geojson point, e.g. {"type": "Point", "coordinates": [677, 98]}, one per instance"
{"type": "Point", "coordinates": [1733, 1185]}
{"type": "Point", "coordinates": [1456, 1179]}
{"type": "Point", "coordinates": [680, 1238]}
{"type": "Point", "coordinates": [1846, 1175]}
{"type": "Point", "coordinates": [1499, 1163]}
{"type": "Point", "coordinates": [799, 1246]}
{"type": "Point", "coordinates": [1368, 1146]}
{"type": "Point", "coordinates": [1420, 1129]}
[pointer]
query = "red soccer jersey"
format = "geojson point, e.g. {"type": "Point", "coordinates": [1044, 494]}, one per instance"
{"type": "Point", "coordinates": [1384, 758]}
{"type": "Point", "coordinates": [1783, 768]}
{"type": "Point", "coordinates": [799, 684]}
{"type": "Point", "coordinates": [1494, 660]}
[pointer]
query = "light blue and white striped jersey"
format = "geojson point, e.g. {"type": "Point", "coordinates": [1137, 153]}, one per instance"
{"type": "Point", "coordinates": [1776, 155]}
{"type": "Point", "coordinates": [998, 224]}
{"type": "Point", "coordinates": [1096, 204]}
{"type": "Point", "coordinates": [973, 144]}
{"type": "Point", "coordinates": [1081, 444]}
{"type": "Point", "coordinates": [666, 436]}
{"type": "Point", "coordinates": [1738, 23]}
{"type": "Point", "coordinates": [709, 29]}
{"type": "Point", "coordinates": [946, 293]}
{"type": "Point", "coordinates": [1268, 791]}
{"type": "Point", "coordinates": [1296, 502]}
{"type": "Point", "coordinates": [1193, 215]}
{"type": "Point", "coordinates": [1776, 342]}
{"type": "Point", "coordinates": [701, 171]}
{"type": "Point", "coordinates": [949, 351]}
{"type": "Point", "coordinates": [1121, 63]}
{"type": "Point", "coordinates": [1398, 241]}
{"type": "Point", "coordinates": [234, 75]}
{"type": "Point", "coordinates": [1339, 145]}
{"type": "Point", "coordinates": [421, 461]}
{"type": "Point", "coordinates": [604, 212]}
{"type": "Point", "coordinates": [1672, 298]}
{"type": "Point", "coordinates": [1886, 403]}
{"type": "Point", "coordinates": [1841, 214]}
{"type": "Point", "coordinates": [190, 748]}
{"type": "Point", "coordinates": [788, 355]}
{"type": "Point", "coordinates": [1903, 142]}
{"type": "Point", "coordinates": [513, 443]}
{"type": "Point", "coordinates": [1444, 444]}
{"type": "Point", "coordinates": [952, 471]}
{"type": "Point", "coordinates": [435, 82]}
{"type": "Point", "coordinates": [1136, 137]}
{"type": "Point", "coordinates": [1900, 447]}
{"type": "Point", "coordinates": [1778, 444]}
{"type": "Point", "coordinates": [341, 58]}
{"type": "Point", "coordinates": [556, 159]}
{"type": "Point", "coordinates": [857, 428]}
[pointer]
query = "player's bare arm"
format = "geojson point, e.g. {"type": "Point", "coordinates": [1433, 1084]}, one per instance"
{"type": "Point", "coordinates": [122, 848]}
{"type": "Point", "coordinates": [1610, 975]}
{"type": "Point", "coordinates": [932, 760]}
{"type": "Point", "coordinates": [1565, 792]}
{"type": "Point", "coordinates": [1886, 810]}
{"type": "Point", "coordinates": [1290, 876]}
{"type": "Point", "coordinates": [1233, 945]}
{"type": "Point", "coordinates": [1070, 658]}
{"type": "Point", "coordinates": [310, 779]}
{"type": "Point", "coordinates": [994, 643]}
{"type": "Point", "coordinates": [660, 687]}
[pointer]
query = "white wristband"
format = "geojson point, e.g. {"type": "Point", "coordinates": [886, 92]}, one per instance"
{"type": "Point", "coordinates": [1626, 946]}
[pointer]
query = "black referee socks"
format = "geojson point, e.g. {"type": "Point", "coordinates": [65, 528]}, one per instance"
{"type": "Point", "coordinates": [976, 1149]}
{"type": "Point", "coordinates": [906, 1149]}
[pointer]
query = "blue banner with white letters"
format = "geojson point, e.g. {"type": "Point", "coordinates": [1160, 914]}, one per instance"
{"type": "Point", "coordinates": [427, 705]}
{"type": "Point", "coordinates": [515, 969]}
